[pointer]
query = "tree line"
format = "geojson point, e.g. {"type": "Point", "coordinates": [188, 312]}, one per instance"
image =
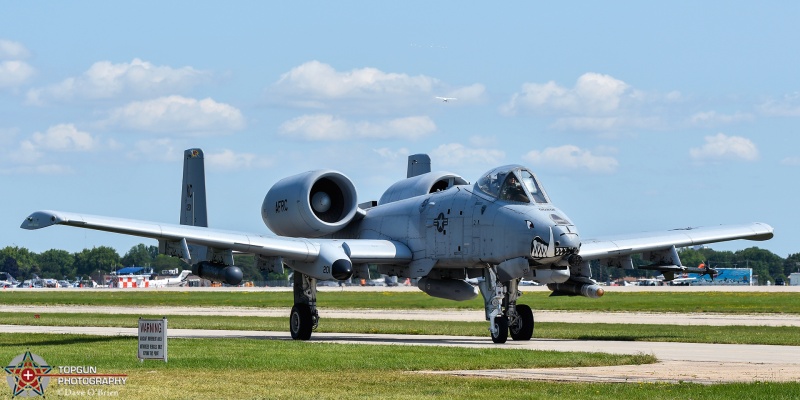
{"type": "Point", "coordinates": [22, 263]}
{"type": "Point", "coordinates": [766, 265]}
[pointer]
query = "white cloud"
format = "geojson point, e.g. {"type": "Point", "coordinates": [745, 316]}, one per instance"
{"type": "Point", "coordinates": [64, 137]}
{"type": "Point", "coordinates": [572, 158]}
{"type": "Point", "coordinates": [38, 169]}
{"type": "Point", "coordinates": [319, 86]}
{"type": "Point", "coordinates": [323, 81]}
{"type": "Point", "coordinates": [471, 93]}
{"type": "Point", "coordinates": [791, 161]}
{"type": "Point", "coordinates": [789, 106]}
{"type": "Point", "coordinates": [458, 154]}
{"type": "Point", "coordinates": [57, 138]}
{"type": "Point", "coordinates": [162, 150]}
{"type": "Point", "coordinates": [229, 160]}
{"type": "Point", "coordinates": [596, 102]}
{"type": "Point", "coordinates": [722, 147]}
{"type": "Point", "coordinates": [606, 123]}
{"type": "Point", "coordinates": [104, 80]}
{"type": "Point", "coordinates": [10, 50]}
{"type": "Point", "coordinates": [328, 127]}
{"type": "Point", "coordinates": [392, 154]}
{"type": "Point", "coordinates": [593, 94]}
{"type": "Point", "coordinates": [177, 113]}
{"type": "Point", "coordinates": [13, 71]}
{"type": "Point", "coordinates": [482, 141]}
{"type": "Point", "coordinates": [708, 118]}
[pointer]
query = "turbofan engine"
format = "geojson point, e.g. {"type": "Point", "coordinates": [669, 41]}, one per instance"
{"type": "Point", "coordinates": [311, 204]}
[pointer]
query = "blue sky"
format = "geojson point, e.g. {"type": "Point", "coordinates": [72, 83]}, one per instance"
{"type": "Point", "coordinates": [636, 116]}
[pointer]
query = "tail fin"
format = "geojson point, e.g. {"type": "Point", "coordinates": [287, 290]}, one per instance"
{"type": "Point", "coordinates": [418, 164]}
{"type": "Point", "coordinates": [193, 197]}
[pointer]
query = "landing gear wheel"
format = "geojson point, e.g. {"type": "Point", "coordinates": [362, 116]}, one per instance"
{"type": "Point", "coordinates": [501, 325]}
{"type": "Point", "coordinates": [301, 322]}
{"type": "Point", "coordinates": [523, 327]}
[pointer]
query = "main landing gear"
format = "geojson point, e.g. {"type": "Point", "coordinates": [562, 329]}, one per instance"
{"type": "Point", "coordinates": [304, 317]}
{"type": "Point", "coordinates": [502, 311]}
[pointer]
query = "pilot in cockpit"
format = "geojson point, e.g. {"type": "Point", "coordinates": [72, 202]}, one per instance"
{"type": "Point", "coordinates": [512, 190]}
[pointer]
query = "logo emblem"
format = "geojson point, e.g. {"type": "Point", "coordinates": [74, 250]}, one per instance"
{"type": "Point", "coordinates": [27, 375]}
{"type": "Point", "coordinates": [440, 222]}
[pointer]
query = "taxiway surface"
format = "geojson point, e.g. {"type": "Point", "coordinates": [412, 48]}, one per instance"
{"type": "Point", "coordinates": [689, 362]}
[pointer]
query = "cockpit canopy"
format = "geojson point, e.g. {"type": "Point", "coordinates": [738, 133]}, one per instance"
{"type": "Point", "coordinates": [512, 183]}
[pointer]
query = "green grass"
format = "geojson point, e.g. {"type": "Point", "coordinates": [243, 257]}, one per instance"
{"type": "Point", "coordinates": [245, 368]}
{"type": "Point", "coordinates": [682, 302]}
{"type": "Point", "coordinates": [788, 336]}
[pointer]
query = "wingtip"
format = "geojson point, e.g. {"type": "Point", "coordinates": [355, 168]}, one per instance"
{"type": "Point", "coordinates": [765, 233]}
{"type": "Point", "coordinates": [40, 219]}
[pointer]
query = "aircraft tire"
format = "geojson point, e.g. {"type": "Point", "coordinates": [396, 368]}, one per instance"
{"type": "Point", "coordinates": [502, 329]}
{"type": "Point", "coordinates": [301, 322]}
{"type": "Point", "coordinates": [523, 329]}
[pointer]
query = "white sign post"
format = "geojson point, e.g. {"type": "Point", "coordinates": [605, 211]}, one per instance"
{"type": "Point", "coordinates": [153, 339]}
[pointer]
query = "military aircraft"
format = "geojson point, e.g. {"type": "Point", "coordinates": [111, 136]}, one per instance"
{"type": "Point", "coordinates": [7, 281]}
{"type": "Point", "coordinates": [433, 226]}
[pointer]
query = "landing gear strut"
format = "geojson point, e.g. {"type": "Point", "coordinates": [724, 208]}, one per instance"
{"type": "Point", "coordinates": [502, 311]}
{"type": "Point", "coordinates": [304, 317]}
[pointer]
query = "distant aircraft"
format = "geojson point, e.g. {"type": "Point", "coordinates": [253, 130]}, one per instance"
{"type": "Point", "coordinates": [446, 99]}
{"type": "Point", "coordinates": [179, 280]}
{"type": "Point", "coordinates": [682, 281]}
{"type": "Point", "coordinates": [434, 226]}
{"type": "Point", "coordinates": [649, 282]}
{"type": "Point", "coordinates": [7, 281]}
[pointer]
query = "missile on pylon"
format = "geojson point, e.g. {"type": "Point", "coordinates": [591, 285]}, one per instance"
{"type": "Point", "coordinates": [218, 272]}
{"type": "Point", "coordinates": [572, 288]}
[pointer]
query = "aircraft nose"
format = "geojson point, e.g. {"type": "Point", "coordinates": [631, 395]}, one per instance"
{"type": "Point", "coordinates": [567, 240]}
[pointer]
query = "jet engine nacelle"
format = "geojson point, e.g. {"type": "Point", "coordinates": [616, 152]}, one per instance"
{"type": "Point", "coordinates": [311, 204]}
{"type": "Point", "coordinates": [419, 185]}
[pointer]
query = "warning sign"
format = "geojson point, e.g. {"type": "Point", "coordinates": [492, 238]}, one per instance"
{"type": "Point", "coordinates": [153, 339]}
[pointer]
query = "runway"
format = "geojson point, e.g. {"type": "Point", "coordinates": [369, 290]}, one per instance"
{"type": "Point", "coordinates": [688, 362]}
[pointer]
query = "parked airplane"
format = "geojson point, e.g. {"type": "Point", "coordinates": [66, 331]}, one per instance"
{"type": "Point", "coordinates": [179, 280]}
{"type": "Point", "coordinates": [432, 225]}
{"type": "Point", "coordinates": [7, 281]}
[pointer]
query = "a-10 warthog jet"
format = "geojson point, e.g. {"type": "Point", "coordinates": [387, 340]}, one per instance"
{"type": "Point", "coordinates": [433, 226]}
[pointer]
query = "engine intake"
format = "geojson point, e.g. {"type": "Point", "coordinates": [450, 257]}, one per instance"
{"type": "Point", "coordinates": [419, 185]}
{"type": "Point", "coordinates": [311, 204]}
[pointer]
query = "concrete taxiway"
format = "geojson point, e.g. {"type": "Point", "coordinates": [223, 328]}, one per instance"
{"type": "Point", "coordinates": [583, 317]}
{"type": "Point", "coordinates": [688, 362]}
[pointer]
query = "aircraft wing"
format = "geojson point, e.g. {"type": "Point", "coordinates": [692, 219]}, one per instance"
{"type": "Point", "coordinates": [299, 249]}
{"type": "Point", "coordinates": [625, 245]}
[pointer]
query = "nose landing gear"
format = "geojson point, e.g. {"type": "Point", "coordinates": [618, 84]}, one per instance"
{"type": "Point", "coordinates": [502, 311]}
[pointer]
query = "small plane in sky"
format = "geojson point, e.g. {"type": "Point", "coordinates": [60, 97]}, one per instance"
{"type": "Point", "coordinates": [446, 99]}
{"type": "Point", "coordinates": [432, 226]}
